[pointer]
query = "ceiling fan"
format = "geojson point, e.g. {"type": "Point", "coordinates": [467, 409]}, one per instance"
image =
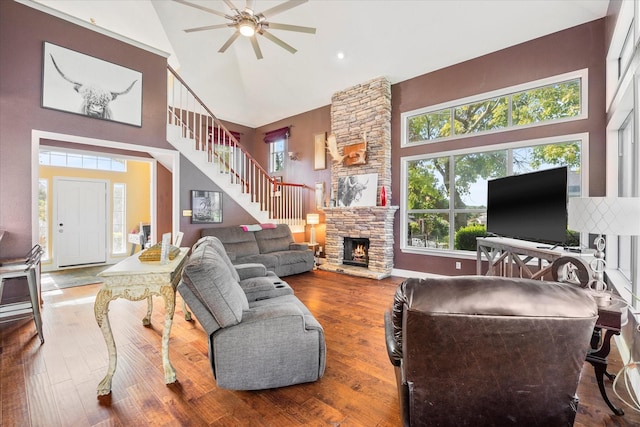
{"type": "Point", "coordinates": [248, 23]}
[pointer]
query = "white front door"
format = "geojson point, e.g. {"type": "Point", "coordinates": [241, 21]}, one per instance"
{"type": "Point", "coordinates": [80, 221]}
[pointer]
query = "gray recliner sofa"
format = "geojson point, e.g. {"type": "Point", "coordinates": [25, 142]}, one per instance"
{"type": "Point", "coordinates": [254, 279]}
{"type": "Point", "coordinates": [268, 342]}
{"type": "Point", "coordinates": [272, 247]}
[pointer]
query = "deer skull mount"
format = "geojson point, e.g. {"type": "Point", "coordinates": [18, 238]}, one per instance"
{"type": "Point", "coordinates": [354, 154]}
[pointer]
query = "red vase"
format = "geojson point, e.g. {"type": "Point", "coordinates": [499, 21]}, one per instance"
{"type": "Point", "coordinates": [383, 197]}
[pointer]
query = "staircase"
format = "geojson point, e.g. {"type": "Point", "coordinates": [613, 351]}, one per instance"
{"type": "Point", "coordinates": [194, 131]}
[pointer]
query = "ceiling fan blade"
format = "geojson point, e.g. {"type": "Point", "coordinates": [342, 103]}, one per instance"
{"type": "Point", "coordinates": [231, 39]}
{"type": "Point", "coordinates": [282, 7]}
{"type": "Point", "coordinates": [287, 27]}
{"type": "Point", "coordinates": [207, 27]}
{"type": "Point", "coordinates": [256, 46]}
{"type": "Point", "coordinates": [278, 41]}
{"type": "Point", "coordinates": [231, 6]}
{"type": "Point", "coordinates": [206, 9]}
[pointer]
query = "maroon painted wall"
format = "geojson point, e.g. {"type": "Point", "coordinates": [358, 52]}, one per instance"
{"type": "Point", "coordinates": [573, 49]}
{"type": "Point", "coordinates": [23, 30]}
{"type": "Point", "coordinates": [22, 33]}
{"type": "Point", "coordinates": [303, 128]}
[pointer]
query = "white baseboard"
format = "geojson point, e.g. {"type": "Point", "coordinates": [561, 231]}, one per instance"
{"type": "Point", "coordinates": [408, 273]}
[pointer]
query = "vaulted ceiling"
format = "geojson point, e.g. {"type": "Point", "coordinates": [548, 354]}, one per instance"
{"type": "Point", "coordinates": [398, 39]}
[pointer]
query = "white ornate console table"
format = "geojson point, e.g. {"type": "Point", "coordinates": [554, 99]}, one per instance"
{"type": "Point", "coordinates": [512, 257]}
{"type": "Point", "coordinates": [135, 280]}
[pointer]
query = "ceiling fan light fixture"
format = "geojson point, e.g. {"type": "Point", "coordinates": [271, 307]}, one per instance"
{"type": "Point", "coordinates": [249, 24]}
{"type": "Point", "coordinates": [247, 27]}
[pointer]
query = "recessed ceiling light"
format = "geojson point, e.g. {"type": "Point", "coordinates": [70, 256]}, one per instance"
{"type": "Point", "coordinates": [340, 55]}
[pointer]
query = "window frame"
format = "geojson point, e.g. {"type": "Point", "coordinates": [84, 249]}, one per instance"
{"type": "Point", "coordinates": [82, 156]}
{"type": "Point", "coordinates": [582, 74]}
{"type": "Point", "coordinates": [123, 218]}
{"type": "Point", "coordinates": [273, 153]}
{"type": "Point", "coordinates": [622, 83]}
{"type": "Point", "coordinates": [404, 161]}
{"type": "Point", "coordinates": [44, 227]}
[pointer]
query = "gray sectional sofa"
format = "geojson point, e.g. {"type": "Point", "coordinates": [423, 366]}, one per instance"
{"type": "Point", "coordinates": [272, 247]}
{"type": "Point", "coordinates": [256, 341]}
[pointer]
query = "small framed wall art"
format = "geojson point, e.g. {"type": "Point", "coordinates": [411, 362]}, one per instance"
{"type": "Point", "coordinates": [319, 151]}
{"type": "Point", "coordinates": [206, 207]}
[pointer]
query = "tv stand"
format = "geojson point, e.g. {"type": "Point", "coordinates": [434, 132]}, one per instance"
{"type": "Point", "coordinates": [512, 258]}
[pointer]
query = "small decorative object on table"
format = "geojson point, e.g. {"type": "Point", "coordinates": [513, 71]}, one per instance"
{"type": "Point", "coordinates": [155, 251]}
{"type": "Point", "coordinates": [383, 197]}
{"type": "Point", "coordinates": [164, 248]}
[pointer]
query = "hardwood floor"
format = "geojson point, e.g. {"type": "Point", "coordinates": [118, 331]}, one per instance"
{"type": "Point", "coordinates": [55, 384]}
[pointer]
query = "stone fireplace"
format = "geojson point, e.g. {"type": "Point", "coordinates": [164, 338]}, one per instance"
{"type": "Point", "coordinates": [359, 110]}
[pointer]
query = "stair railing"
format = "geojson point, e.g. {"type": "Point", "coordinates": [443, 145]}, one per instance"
{"type": "Point", "coordinates": [283, 201]}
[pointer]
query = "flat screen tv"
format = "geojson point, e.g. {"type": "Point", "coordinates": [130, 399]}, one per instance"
{"type": "Point", "coordinates": [531, 206]}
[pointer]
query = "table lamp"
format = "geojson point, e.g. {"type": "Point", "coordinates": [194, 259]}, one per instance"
{"type": "Point", "coordinates": [603, 215]}
{"type": "Point", "coordinates": [312, 220]}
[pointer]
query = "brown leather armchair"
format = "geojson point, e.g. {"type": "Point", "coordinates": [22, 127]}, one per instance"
{"type": "Point", "coordinates": [488, 351]}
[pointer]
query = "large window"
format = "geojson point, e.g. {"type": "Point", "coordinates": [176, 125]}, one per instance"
{"type": "Point", "coordinates": [448, 191]}
{"type": "Point", "coordinates": [536, 103]}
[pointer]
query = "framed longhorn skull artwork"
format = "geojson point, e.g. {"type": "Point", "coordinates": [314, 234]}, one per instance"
{"type": "Point", "coordinates": [77, 83]}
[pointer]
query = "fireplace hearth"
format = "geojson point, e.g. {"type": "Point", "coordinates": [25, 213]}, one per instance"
{"type": "Point", "coordinates": [356, 251]}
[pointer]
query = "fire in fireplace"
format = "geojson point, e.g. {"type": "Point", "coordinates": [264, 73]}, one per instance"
{"type": "Point", "coordinates": [356, 251]}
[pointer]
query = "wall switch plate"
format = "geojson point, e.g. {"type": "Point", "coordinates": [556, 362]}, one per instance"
{"type": "Point", "coordinates": [458, 265]}
{"type": "Point", "coordinates": [186, 212]}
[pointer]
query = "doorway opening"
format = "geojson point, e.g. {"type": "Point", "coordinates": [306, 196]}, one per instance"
{"type": "Point", "coordinates": [168, 158]}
